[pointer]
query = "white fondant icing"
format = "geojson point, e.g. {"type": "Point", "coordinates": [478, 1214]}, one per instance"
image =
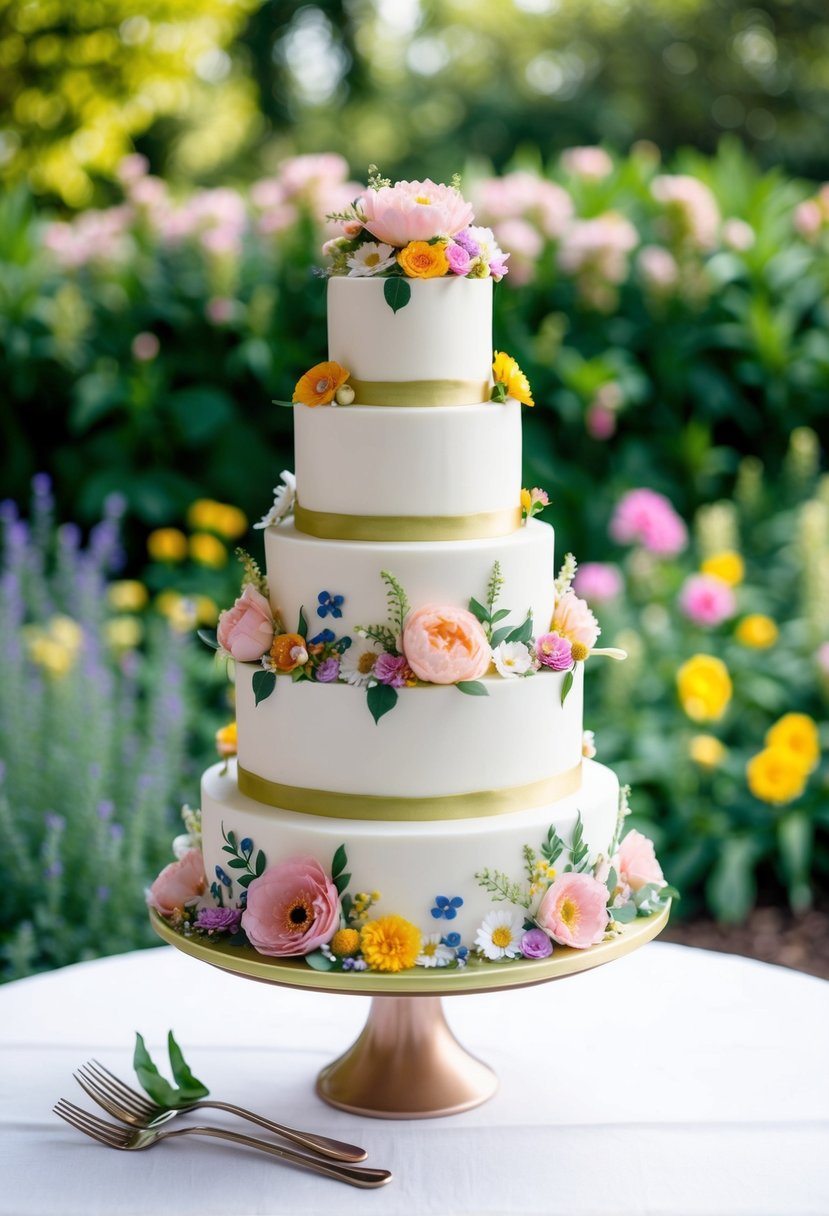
{"type": "Point", "coordinates": [450, 460]}
{"type": "Point", "coordinates": [409, 864]}
{"type": "Point", "coordinates": [436, 740]}
{"type": "Point", "coordinates": [443, 333]}
{"type": "Point", "coordinates": [300, 567]}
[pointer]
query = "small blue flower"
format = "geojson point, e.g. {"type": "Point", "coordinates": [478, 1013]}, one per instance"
{"type": "Point", "coordinates": [246, 846]}
{"type": "Point", "coordinates": [330, 605]}
{"type": "Point", "coordinates": [324, 638]}
{"type": "Point", "coordinates": [222, 877]}
{"type": "Point", "coordinates": [445, 907]}
{"type": "Point", "coordinates": [462, 956]}
{"type": "Point", "coordinates": [451, 939]}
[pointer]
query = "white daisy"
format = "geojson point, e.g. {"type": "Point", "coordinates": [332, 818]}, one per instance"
{"type": "Point", "coordinates": [358, 661]}
{"type": "Point", "coordinates": [284, 498]}
{"type": "Point", "coordinates": [500, 934]}
{"type": "Point", "coordinates": [512, 659]}
{"type": "Point", "coordinates": [433, 953]}
{"type": "Point", "coordinates": [372, 257]}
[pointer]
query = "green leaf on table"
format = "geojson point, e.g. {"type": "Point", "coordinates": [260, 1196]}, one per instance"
{"type": "Point", "coordinates": [397, 293]}
{"type": "Point", "coordinates": [381, 698]}
{"type": "Point", "coordinates": [264, 682]}
{"type": "Point", "coordinates": [472, 688]}
{"type": "Point", "coordinates": [189, 1089]}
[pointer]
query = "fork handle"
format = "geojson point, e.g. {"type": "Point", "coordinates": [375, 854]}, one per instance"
{"type": "Point", "coordinates": [337, 1150]}
{"type": "Point", "coordinates": [355, 1175]}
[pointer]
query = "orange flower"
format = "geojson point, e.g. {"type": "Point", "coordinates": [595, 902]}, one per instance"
{"type": "Point", "coordinates": [420, 260]}
{"type": "Point", "coordinates": [318, 386]}
{"type": "Point", "coordinates": [288, 651]}
{"type": "Point", "coordinates": [506, 372]}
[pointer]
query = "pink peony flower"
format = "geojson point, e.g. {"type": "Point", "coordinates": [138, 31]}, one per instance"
{"type": "Point", "coordinates": [414, 211]}
{"type": "Point", "coordinates": [636, 863]}
{"type": "Point", "coordinates": [246, 630]}
{"type": "Point", "coordinates": [707, 600]}
{"type": "Point", "coordinates": [598, 582]}
{"type": "Point", "coordinates": [445, 645]}
{"type": "Point", "coordinates": [179, 884]}
{"type": "Point", "coordinates": [573, 618]}
{"type": "Point", "coordinates": [574, 910]}
{"type": "Point", "coordinates": [647, 518]}
{"type": "Point", "coordinates": [554, 652]}
{"type": "Point", "coordinates": [599, 246]}
{"type": "Point", "coordinates": [293, 908]}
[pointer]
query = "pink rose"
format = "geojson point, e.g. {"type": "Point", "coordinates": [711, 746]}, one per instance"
{"type": "Point", "coordinates": [458, 258]}
{"type": "Point", "coordinates": [179, 884]}
{"type": "Point", "coordinates": [293, 908]}
{"type": "Point", "coordinates": [574, 910]}
{"type": "Point", "coordinates": [636, 862]}
{"type": "Point", "coordinates": [574, 620]}
{"type": "Point", "coordinates": [445, 645]}
{"type": "Point", "coordinates": [245, 631]}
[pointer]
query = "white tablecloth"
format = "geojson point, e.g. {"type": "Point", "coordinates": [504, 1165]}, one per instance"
{"type": "Point", "coordinates": [673, 1082]}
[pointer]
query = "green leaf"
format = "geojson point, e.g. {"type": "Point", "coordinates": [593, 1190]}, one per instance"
{"type": "Point", "coordinates": [237, 863]}
{"type": "Point", "coordinates": [208, 636]}
{"type": "Point", "coordinates": [264, 682]}
{"type": "Point", "coordinates": [244, 880]}
{"type": "Point", "coordinates": [302, 627]}
{"type": "Point", "coordinates": [500, 635]}
{"type": "Point", "coordinates": [625, 914]}
{"type": "Point", "coordinates": [731, 886]}
{"type": "Point", "coordinates": [499, 615]}
{"type": "Point", "coordinates": [473, 688]}
{"type": "Point", "coordinates": [567, 685]}
{"type": "Point", "coordinates": [261, 863]}
{"type": "Point", "coordinates": [317, 960]}
{"type": "Point", "coordinates": [159, 1089]}
{"type": "Point", "coordinates": [346, 903]}
{"type": "Point", "coordinates": [795, 835]}
{"type": "Point", "coordinates": [397, 293]}
{"type": "Point", "coordinates": [499, 392]}
{"type": "Point", "coordinates": [231, 840]}
{"type": "Point", "coordinates": [341, 882]}
{"type": "Point", "coordinates": [381, 698]}
{"type": "Point", "coordinates": [187, 1083]}
{"type": "Point", "coordinates": [340, 861]}
{"type": "Point", "coordinates": [523, 633]}
{"type": "Point", "coordinates": [479, 611]}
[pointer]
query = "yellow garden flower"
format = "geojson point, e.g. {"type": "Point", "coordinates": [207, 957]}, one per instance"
{"type": "Point", "coordinates": [390, 943]}
{"type": "Point", "coordinates": [420, 260]}
{"type": "Point", "coordinates": [506, 372]}
{"type": "Point", "coordinates": [757, 631]}
{"type": "Point", "coordinates": [344, 942]}
{"type": "Point", "coordinates": [775, 775]}
{"type": "Point", "coordinates": [180, 610]}
{"type": "Point", "coordinates": [704, 687]}
{"type": "Point", "coordinates": [123, 632]}
{"type": "Point", "coordinates": [727, 566]}
{"type": "Point", "coordinates": [207, 550]}
{"type": "Point", "coordinates": [207, 610]}
{"type": "Point", "coordinates": [226, 740]}
{"type": "Point", "coordinates": [206, 515]}
{"type": "Point", "coordinates": [127, 595]}
{"type": "Point", "coordinates": [798, 735]}
{"type": "Point", "coordinates": [319, 385]}
{"type": "Point", "coordinates": [707, 751]}
{"type": "Point", "coordinates": [55, 647]}
{"type": "Point", "coordinates": [167, 545]}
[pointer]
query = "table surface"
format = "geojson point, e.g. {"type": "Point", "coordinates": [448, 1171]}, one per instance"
{"type": "Point", "coordinates": [673, 1082]}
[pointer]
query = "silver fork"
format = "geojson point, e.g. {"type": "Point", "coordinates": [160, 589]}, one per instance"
{"type": "Point", "coordinates": [131, 1107]}
{"type": "Point", "coordinates": [117, 1136]}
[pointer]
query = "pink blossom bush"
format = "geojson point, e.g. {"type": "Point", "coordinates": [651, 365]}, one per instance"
{"type": "Point", "coordinates": [707, 600]}
{"type": "Point", "coordinates": [691, 212]}
{"type": "Point", "coordinates": [598, 582]}
{"type": "Point", "coordinates": [292, 908]}
{"type": "Point", "coordinates": [647, 518]}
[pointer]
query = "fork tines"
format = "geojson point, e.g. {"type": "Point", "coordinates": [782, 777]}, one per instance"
{"type": "Point", "coordinates": [83, 1121]}
{"type": "Point", "coordinates": [94, 1074]}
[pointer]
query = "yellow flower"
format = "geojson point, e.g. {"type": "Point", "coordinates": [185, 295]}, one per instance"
{"type": "Point", "coordinates": [757, 631]}
{"type": "Point", "coordinates": [704, 687]}
{"type": "Point", "coordinates": [344, 942]}
{"type": "Point", "coordinates": [420, 260]}
{"type": "Point", "coordinates": [728, 566]}
{"type": "Point", "coordinates": [167, 545]}
{"type": "Point", "coordinates": [390, 943]}
{"type": "Point", "coordinates": [207, 610]}
{"type": "Point", "coordinates": [206, 515]}
{"type": "Point", "coordinates": [55, 647]}
{"type": "Point", "coordinates": [123, 632]}
{"type": "Point", "coordinates": [798, 735]}
{"type": "Point", "coordinates": [288, 651]}
{"type": "Point", "coordinates": [319, 385]}
{"type": "Point", "coordinates": [226, 740]}
{"type": "Point", "coordinates": [127, 595]}
{"type": "Point", "coordinates": [775, 775]}
{"type": "Point", "coordinates": [506, 371]}
{"type": "Point", "coordinates": [207, 550]}
{"type": "Point", "coordinates": [179, 610]}
{"type": "Point", "coordinates": [707, 751]}
{"type": "Point", "coordinates": [526, 502]}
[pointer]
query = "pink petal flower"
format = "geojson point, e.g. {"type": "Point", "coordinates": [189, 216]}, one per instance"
{"type": "Point", "coordinates": [707, 600]}
{"type": "Point", "coordinates": [574, 910]}
{"type": "Point", "coordinates": [293, 908]}
{"type": "Point", "coordinates": [573, 619]}
{"type": "Point", "coordinates": [444, 645]}
{"type": "Point", "coordinates": [636, 862]}
{"type": "Point", "coordinates": [647, 518]}
{"type": "Point", "coordinates": [246, 630]}
{"type": "Point", "coordinates": [394, 215]}
{"type": "Point", "coordinates": [179, 884]}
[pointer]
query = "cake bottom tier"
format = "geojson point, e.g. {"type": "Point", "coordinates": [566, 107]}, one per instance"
{"type": "Point", "coordinates": [424, 872]}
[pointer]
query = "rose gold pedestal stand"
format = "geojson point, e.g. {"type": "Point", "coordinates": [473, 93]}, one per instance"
{"type": "Point", "coordinates": [406, 1063]}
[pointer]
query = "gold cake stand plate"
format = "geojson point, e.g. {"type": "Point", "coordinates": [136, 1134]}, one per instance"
{"type": "Point", "coordinates": [406, 1063]}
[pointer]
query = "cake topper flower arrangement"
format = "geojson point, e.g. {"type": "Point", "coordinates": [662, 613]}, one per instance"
{"type": "Point", "coordinates": [412, 230]}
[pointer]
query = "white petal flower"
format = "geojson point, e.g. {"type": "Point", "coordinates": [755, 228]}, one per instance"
{"type": "Point", "coordinates": [284, 498]}
{"type": "Point", "coordinates": [512, 659]}
{"type": "Point", "coordinates": [358, 661]}
{"type": "Point", "coordinates": [588, 744]}
{"type": "Point", "coordinates": [500, 934]}
{"type": "Point", "coordinates": [372, 257]}
{"type": "Point", "coordinates": [433, 953]}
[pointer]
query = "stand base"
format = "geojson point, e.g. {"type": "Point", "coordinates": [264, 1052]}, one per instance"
{"type": "Point", "coordinates": [406, 1064]}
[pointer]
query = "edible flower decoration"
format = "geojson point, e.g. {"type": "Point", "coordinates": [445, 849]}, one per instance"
{"type": "Point", "coordinates": [284, 496]}
{"type": "Point", "coordinates": [320, 384]}
{"type": "Point", "coordinates": [510, 381]}
{"type": "Point", "coordinates": [533, 503]}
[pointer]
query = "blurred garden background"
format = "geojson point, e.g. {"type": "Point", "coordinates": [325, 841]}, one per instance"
{"type": "Point", "coordinates": [655, 168]}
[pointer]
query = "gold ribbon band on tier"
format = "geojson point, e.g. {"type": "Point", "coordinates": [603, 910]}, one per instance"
{"type": "Point", "coordinates": [334, 805]}
{"type": "Point", "coordinates": [420, 392]}
{"type": "Point", "coordinates": [329, 525]}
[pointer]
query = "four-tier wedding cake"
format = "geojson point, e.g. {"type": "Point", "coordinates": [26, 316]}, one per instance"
{"type": "Point", "coordinates": [413, 785]}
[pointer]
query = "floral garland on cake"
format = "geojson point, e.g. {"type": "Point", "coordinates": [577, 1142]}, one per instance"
{"type": "Point", "coordinates": [297, 908]}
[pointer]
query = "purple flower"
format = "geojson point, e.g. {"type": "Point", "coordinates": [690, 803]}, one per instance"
{"type": "Point", "coordinates": [219, 920]}
{"type": "Point", "coordinates": [55, 823]}
{"type": "Point", "coordinates": [498, 266]}
{"type": "Point", "coordinates": [391, 669]}
{"type": "Point", "coordinates": [467, 242]}
{"type": "Point", "coordinates": [105, 808]}
{"type": "Point", "coordinates": [328, 670]}
{"type": "Point", "coordinates": [458, 258]}
{"type": "Point", "coordinates": [554, 652]}
{"type": "Point", "coordinates": [536, 944]}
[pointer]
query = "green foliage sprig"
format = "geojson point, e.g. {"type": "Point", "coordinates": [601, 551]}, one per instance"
{"type": "Point", "coordinates": [187, 1090]}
